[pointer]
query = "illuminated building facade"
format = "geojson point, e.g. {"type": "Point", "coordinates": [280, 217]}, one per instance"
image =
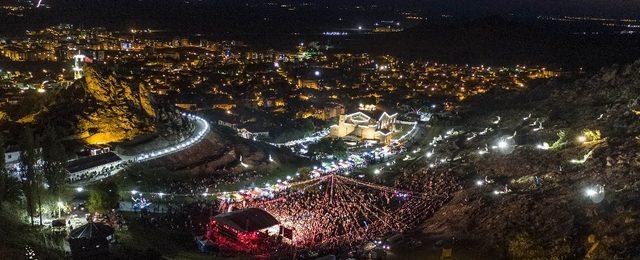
{"type": "Point", "coordinates": [77, 66]}
{"type": "Point", "coordinates": [365, 127]}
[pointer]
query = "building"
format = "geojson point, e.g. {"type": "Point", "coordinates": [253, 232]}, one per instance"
{"type": "Point", "coordinates": [88, 166]}
{"type": "Point", "coordinates": [308, 83]}
{"type": "Point", "coordinates": [247, 227]}
{"type": "Point", "coordinates": [387, 27]}
{"type": "Point", "coordinates": [246, 134]}
{"type": "Point", "coordinates": [13, 159]}
{"type": "Point", "coordinates": [363, 127]}
{"type": "Point", "coordinates": [327, 112]}
{"type": "Point", "coordinates": [12, 156]}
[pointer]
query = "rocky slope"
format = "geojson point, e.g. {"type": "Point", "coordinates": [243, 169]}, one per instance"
{"type": "Point", "coordinates": [99, 109]}
{"type": "Point", "coordinates": [546, 212]}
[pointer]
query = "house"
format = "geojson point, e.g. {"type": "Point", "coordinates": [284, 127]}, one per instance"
{"type": "Point", "coordinates": [13, 159]}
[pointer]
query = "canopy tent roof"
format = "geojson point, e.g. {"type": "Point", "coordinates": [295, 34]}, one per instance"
{"type": "Point", "coordinates": [247, 220]}
{"type": "Point", "coordinates": [91, 231]}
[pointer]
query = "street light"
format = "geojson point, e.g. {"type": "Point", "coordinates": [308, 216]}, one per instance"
{"type": "Point", "coordinates": [79, 189]}
{"type": "Point", "coordinates": [582, 139]}
{"type": "Point", "coordinates": [60, 206]}
{"type": "Point", "coordinates": [505, 145]}
{"type": "Point", "coordinates": [595, 193]}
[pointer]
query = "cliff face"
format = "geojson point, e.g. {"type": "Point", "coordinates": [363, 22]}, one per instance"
{"type": "Point", "coordinates": [100, 109]}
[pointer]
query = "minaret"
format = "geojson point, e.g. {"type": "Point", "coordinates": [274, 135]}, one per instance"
{"type": "Point", "coordinates": [77, 65]}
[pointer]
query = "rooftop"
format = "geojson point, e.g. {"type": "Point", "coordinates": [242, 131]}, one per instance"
{"type": "Point", "coordinates": [92, 161]}
{"type": "Point", "coordinates": [247, 220]}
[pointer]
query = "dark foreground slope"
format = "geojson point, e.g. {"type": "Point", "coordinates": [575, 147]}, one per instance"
{"type": "Point", "coordinates": [534, 203]}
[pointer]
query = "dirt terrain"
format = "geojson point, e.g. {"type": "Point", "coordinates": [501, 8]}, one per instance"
{"type": "Point", "coordinates": [536, 201]}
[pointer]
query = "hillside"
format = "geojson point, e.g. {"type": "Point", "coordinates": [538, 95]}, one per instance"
{"type": "Point", "coordinates": [540, 201]}
{"type": "Point", "coordinates": [99, 109]}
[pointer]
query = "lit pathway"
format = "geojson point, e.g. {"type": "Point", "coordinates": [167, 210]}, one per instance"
{"type": "Point", "coordinates": [202, 128]}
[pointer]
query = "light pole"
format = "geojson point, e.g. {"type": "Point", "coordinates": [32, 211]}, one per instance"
{"type": "Point", "coordinates": [60, 206]}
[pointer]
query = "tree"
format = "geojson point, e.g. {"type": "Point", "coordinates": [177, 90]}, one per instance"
{"type": "Point", "coordinates": [28, 171]}
{"type": "Point", "coordinates": [54, 166]}
{"type": "Point", "coordinates": [334, 146]}
{"type": "Point", "coordinates": [3, 174]}
{"type": "Point", "coordinates": [103, 198]}
{"type": "Point", "coordinates": [523, 246]}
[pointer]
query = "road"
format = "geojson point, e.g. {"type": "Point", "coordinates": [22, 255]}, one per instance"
{"type": "Point", "coordinates": [201, 129]}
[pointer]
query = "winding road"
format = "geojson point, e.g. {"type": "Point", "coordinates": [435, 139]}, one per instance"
{"type": "Point", "coordinates": [201, 129]}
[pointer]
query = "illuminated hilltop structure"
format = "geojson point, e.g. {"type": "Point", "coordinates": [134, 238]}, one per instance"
{"type": "Point", "coordinates": [362, 126]}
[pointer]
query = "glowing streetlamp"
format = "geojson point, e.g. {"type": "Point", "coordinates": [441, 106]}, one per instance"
{"type": "Point", "coordinates": [505, 145]}
{"type": "Point", "coordinates": [595, 193]}
{"type": "Point", "coordinates": [581, 139]}
{"type": "Point", "coordinates": [317, 73]}
{"type": "Point", "coordinates": [543, 146]}
{"type": "Point", "coordinates": [79, 189]}
{"type": "Point", "coordinates": [60, 205]}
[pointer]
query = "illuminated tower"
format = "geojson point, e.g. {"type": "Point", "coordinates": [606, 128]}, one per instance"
{"type": "Point", "coordinates": [77, 65]}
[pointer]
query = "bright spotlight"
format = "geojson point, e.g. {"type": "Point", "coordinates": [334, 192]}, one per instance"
{"type": "Point", "coordinates": [590, 192]}
{"type": "Point", "coordinates": [595, 193]}
{"type": "Point", "coordinates": [582, 139]}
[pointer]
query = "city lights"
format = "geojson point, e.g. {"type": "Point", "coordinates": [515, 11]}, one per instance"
{"type": "Point", "coordinates": [327, 148]}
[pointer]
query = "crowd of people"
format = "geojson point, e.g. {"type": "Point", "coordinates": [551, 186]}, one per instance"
{"type": "Point", "coordinates": [339, 215]}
